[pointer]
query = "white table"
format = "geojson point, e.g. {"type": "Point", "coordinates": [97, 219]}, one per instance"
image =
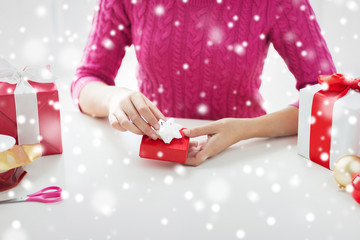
{"type": "Point", "coordinates": [257, 189]}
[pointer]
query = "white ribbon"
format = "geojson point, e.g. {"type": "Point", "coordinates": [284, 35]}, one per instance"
{"type": "Point", "coordinates": [169, 130]}
{"type": "Point", "coordinates": [25, 98]}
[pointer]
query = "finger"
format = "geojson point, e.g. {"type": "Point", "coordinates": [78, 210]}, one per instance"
{"type": "Point", "coordinates": [144, 110]}
{"type": "Point", "coordinates": [124, 123]}
{"type": "Point", "coordinates": [138, 121]}
{"type": "Point", "coordinates": [154, 109]}
{"type": "Point", "coordinates": [195, 159]}
{"type": "Point", "coordinates": [193, 144]}
{"type": "Point", "coordinates": [115, 123]}
{"type": "Point", "coordinates": [199, 131]}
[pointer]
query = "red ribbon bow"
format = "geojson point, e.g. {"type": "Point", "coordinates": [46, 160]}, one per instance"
{"type": "Point", "coordinates": [336, 86]}
{"type": "Point", "coordinates": [339, 82]}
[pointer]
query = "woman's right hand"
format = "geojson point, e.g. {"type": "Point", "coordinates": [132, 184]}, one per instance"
{"type": "Point", "coordinates": [131, 111]}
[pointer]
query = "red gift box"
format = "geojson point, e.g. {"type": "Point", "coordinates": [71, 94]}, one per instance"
{"type": "Point", "coordinates": [175, 151]}
{"type": "Point", "coordinates": [328, 125]}
{"type": "Point", "coordinates": [46, 122]}
{"type": "Point", "coordinates": [11, 178]}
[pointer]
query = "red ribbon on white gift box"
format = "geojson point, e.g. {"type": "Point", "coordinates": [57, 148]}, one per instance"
{"type": "Point", "coordinates": [319, 139]}
{"type": "Point", "coordinates": [25, 98]}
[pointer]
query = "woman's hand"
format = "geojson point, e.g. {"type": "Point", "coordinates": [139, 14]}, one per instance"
{"type": "Point", "coordinates": [225, 132]}
{"type": "Point", "coordinates": [132, 111]}
{"type": "Point", "coordinates": [220, 135]}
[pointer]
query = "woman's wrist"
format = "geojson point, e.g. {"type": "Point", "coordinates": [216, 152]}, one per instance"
{"type": "Point", "coordinates": [281, 123]}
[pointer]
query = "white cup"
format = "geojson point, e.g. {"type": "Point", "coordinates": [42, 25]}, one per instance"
{"type": "Point", "coordinates": [6, 142]}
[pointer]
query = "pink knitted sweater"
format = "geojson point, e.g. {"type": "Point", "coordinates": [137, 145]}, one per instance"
{"type": "Point", "coordinates": [203, 58]}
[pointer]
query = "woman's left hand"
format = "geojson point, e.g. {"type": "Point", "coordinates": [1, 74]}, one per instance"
{"type": "Point", "coordinates": [220, 135]}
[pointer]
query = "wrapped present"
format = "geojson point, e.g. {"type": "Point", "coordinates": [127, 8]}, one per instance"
{"type": "Point", "coordinates": [29, 107]}
{"type": "Point", "coordinates": [11, 178]}
{"type": "Point", "coordinates": [172, 147]}
{"type": "Point", "coordinates": [329, 119]}
{"type": "Point", "coordinates": [12, 158]}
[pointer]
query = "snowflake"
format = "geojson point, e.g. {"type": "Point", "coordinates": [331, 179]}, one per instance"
{"type": "Point", "coordinates": [185, 66]}
{"type": "Point", "coordinates": [160, 154]}
{"type": "Point", "coordinates": [310, 217]}
{"type": "Point", "coordinates": [159, 10]}
{"type": "Point", "coordinates": [275, 188]}
{"type": "Point", "coordinates": [180, 170]}
{"type": "Point", "coordinates": [216, 35]}
{"type": "Point", "coordinates": [126, 186]}
{"type": "Point", "coordinates": [41, 11]}
{"type": "Point", "coordinates": [209, 226]}
{"type": "Point", "coordinates": [108, 44]}
{"type": "Point", "coordinates": [247, 169]}
{"type": "Point", "coordinates": [259, 171]}
{"type": "Point", "coordinates": [324, 156]}
{"type": "Point", "coordinates": [240, 234]}
{"type": "Point", "coordinates": [189, 195]}
{"type": "Point", "coordinates": [298, 44]}
{"type": "Point", "coordinates": [81, 168]}
{"type": "Point", "coordinates": [352, 120]}
{"type": "Point", "coordinates": [16, 224]}
{"type": "Point", "coordinates": [256, 17]}
{"type": "Point", "coordinates": [352, 6]}
{"type": "Point", "coordinates": [164, 221]}
{"type": "Point", "coordinates": [343, 21]}
{"type": "Point", "coordinates": [295, 181]}
{"type": "Point", "coordinates": [21, 119]}
{"type": "Point", "coordinates": [202, 109]}
{"type": "Point", "coordinates": [199, 206]}
{"type": "Point", "coordinates": [168, 180]}
{"type": "Point", "coordinates": [121, 27]}
{"type": "Point", "coordinates": [271, 221]}
{"type": "Point", "coordinates": [65, 6]}
{"type": "Point", "coordinates": [239, 49]}
{"type": "Point", "coordinates": [12, 55]}
{"type": "Point", "coordinates": [79, 197]}
{"type": "Point", "coordinates": [230, 24]}
{"type": "Point", "coordinates": [215, 208]}
{"type": "Point", "coordinates": [253, 196]}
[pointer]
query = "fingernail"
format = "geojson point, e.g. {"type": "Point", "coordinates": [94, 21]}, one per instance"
{"type": "Point", "coordinates": [153, 136]}
{"type": "Point", "coordinates": [157, 126]}
{"type": "Point", "coordinates": [186, 131]}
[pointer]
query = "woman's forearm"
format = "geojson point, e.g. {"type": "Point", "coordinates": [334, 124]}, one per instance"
{"type": "Point", "coordinates": [277, 124]}
{"type": "Point", "coordinates": [94, 98]}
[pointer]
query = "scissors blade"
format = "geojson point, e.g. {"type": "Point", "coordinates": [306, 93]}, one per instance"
{"type": "Point", "coordinates": [13, 200]}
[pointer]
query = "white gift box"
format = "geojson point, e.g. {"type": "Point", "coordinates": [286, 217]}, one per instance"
{"type": "Point", "coordinates": [341, 135]}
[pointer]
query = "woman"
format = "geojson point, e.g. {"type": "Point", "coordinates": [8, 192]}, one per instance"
{"type": "Point", "coordinates": [198, 59]}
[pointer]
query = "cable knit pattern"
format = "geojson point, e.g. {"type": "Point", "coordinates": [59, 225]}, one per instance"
{"type": "Point", "coordinates": [200, 58]}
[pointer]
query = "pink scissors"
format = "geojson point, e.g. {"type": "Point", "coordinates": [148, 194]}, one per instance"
{"type": "Point", "coordinates": [46, 195]}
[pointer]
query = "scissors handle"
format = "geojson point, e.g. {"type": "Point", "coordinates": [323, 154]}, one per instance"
{"type": "Point", "coordinates": [47, 195]}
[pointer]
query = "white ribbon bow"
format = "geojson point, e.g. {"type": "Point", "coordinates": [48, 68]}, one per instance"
{"type": "Point", "coordinates": [169, 130]}
{"type": "Point", "coordinates": [9, 74]}
{"type": "Point", "coordinates": [25, 98]}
